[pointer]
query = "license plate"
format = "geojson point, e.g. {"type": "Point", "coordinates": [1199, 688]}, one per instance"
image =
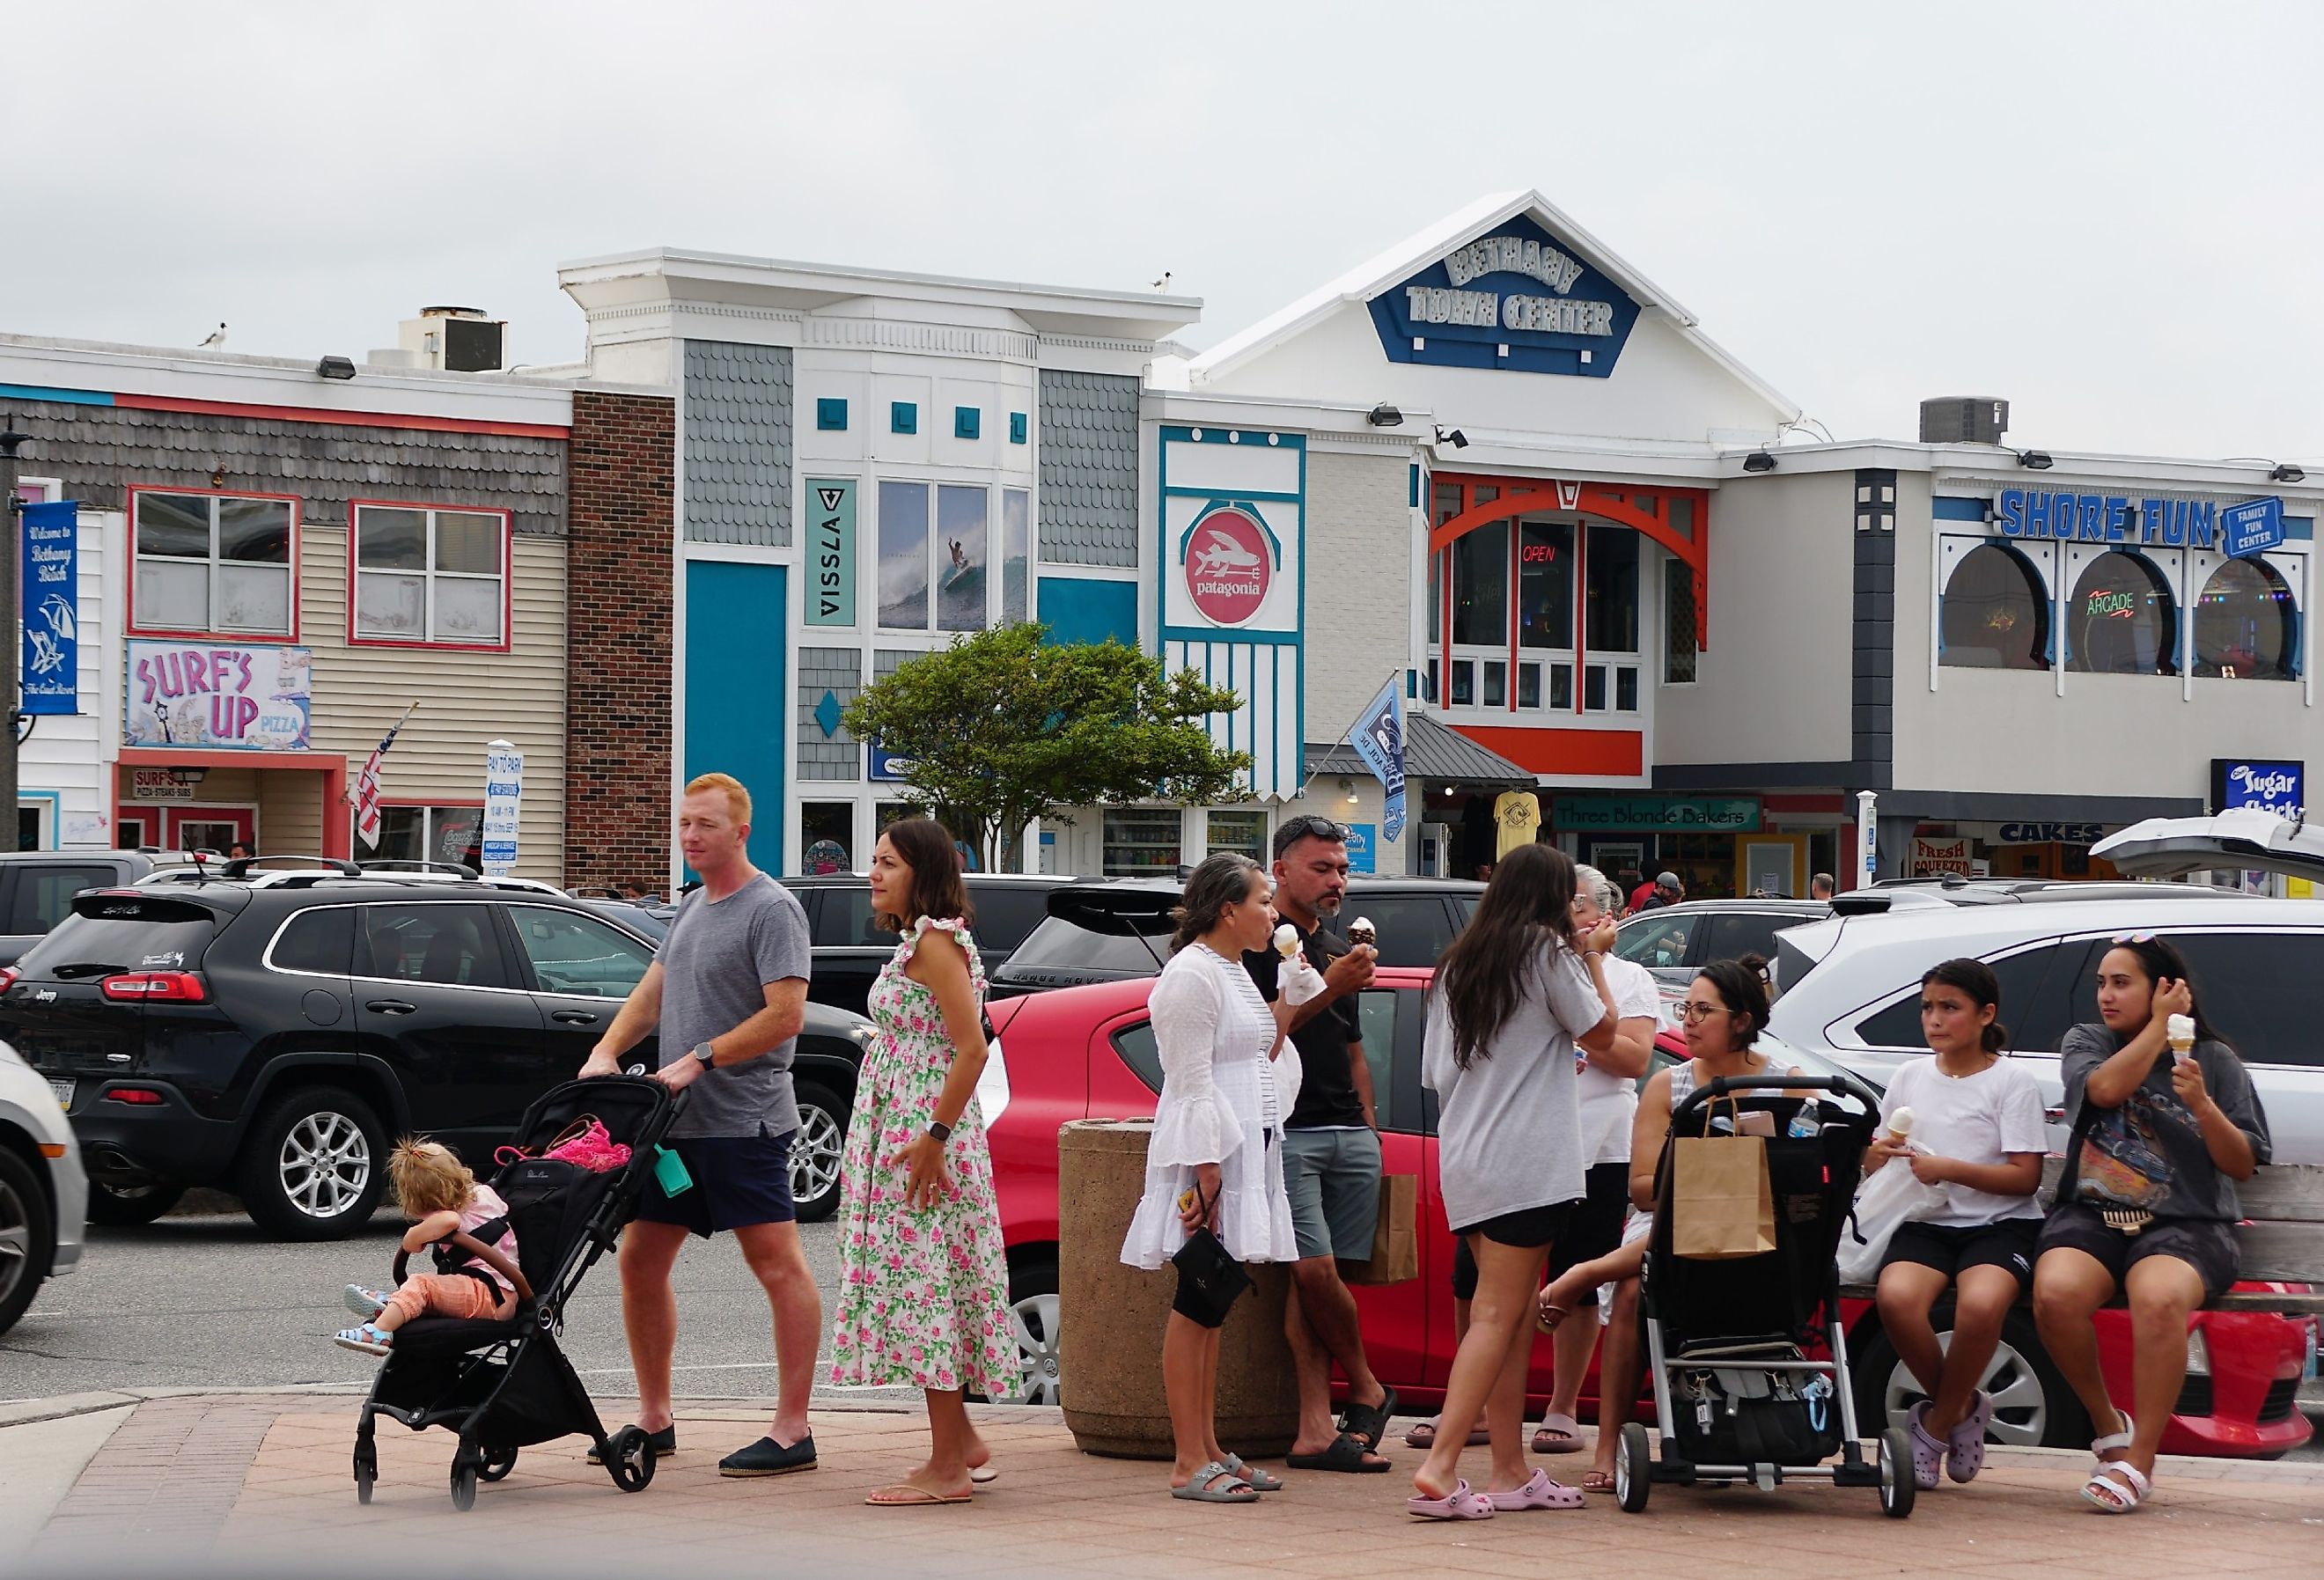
{"type": "Point", "coordinates": [64, 1091]}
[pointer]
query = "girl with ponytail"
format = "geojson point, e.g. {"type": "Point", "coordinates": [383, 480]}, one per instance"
{"type": "Point", "coordinates": [1974, 1131]}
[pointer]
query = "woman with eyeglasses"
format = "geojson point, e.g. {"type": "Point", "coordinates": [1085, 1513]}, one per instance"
{"type": "Point", "coordinates": [1721, 1017]}
{"type": "Point", "coordinates": [1514, 996]}
{"type": "Point", "coordinates": [1215, 1161]}
{"type": "Point", "coordinates": [2165, 1122]}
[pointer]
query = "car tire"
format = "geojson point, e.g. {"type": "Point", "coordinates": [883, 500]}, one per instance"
{"type": "Point", "coordinates": [314, 1165]}
{"type": "Point", "coordinates": [1033, 1323]}
{"type": "Point", "coordinates": [817, 1148]}
{"type": "Point", "coordinates": [28, 1235]}
{"type": "Point", "coordinates": [2033, 1408]}
{"type": "Point", "coordinates": [130, 1207]}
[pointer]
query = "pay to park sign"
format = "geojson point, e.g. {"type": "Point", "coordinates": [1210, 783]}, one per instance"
{"type": "Point", "coordinates": [504, 795]}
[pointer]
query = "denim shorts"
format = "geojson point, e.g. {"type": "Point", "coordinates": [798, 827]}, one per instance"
{"type": "Point", "coordinates": [738, 1182]}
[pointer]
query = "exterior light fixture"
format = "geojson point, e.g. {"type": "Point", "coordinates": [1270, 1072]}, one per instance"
{"type": "Point", "coordinates": [2285, 472]}
{"type": "Point", "coordinates": [2035, 460]}
{"type": "Point", "coordinates": [1384, 416]}
{"type": "Point", "coordinates": [335, 367]}
{"type": "Point", "coordinates": [1452, 435]}
{"type": "Point", "coordinates": [1759, 461]}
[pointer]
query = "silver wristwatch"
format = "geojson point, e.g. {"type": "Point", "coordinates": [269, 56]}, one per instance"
{"type": "Point", "coordinates": [704, 1052]}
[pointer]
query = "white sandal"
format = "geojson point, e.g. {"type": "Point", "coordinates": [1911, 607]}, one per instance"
{"type": "Point", "coordinates": [2102, 1492]}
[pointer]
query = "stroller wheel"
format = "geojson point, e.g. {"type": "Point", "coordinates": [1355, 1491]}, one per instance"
{"type": "Point", "coordinates": [1897, 1486]}
{"type": "Point", "coordinates": [497, 1463]}
{"type": "Point", "coordinates": [1634, 1471]}
{"type": "Point", "coordinates": [465, 1467]}
{"type": "Point", "coordinates": [629, 1459]}
{"type": "Point", "coordinates": [366, 1472]}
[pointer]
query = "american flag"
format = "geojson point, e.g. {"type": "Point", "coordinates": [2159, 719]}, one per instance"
{"type": "Point", "coordinates": [367, 785]}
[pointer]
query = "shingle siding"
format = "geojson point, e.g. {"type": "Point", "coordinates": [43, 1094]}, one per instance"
{"type": "Point", "coordinates": [738, 443]}
{"type": "Point", "coordinates": [99, 451]}
{"type": "Point", "coordinates": [838, 671]}
{"type": "Point", "coordinates": [1088, 468]}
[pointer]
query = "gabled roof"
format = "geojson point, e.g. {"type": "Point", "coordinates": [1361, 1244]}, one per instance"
{"type": "Point", "coordinates": [1418, 252]}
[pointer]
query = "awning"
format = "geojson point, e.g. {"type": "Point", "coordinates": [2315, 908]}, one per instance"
{"type": "Point", "coordinates": [1432, 751]}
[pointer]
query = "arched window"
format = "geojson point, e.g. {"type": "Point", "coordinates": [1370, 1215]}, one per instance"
{"type": "Point", "coordinates": [2121, 621]}
{"type": "Point", "coordinates": [2246, 627]}
{"type": "Point", "coordinates": [1995, 615]}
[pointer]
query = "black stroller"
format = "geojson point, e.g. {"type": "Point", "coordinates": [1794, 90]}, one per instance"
{"type": "Point", "coordinates": [1737, 1395]}
{"type": "Point", "coordinates": [501, 1385]}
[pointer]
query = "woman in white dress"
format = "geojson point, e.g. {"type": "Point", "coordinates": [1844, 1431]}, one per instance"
{"type": "Point", "coordinates": [1216, 1157]}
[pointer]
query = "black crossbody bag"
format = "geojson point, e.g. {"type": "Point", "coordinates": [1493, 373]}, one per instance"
{"type": "Point", "coordinates": [1207, 1271]}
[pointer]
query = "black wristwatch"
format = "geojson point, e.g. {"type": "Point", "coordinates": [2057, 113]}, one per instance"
{"type": "Point", "coordinates": [943, 1133]}
{"type": "Point", "coordinates": [708, 1055]}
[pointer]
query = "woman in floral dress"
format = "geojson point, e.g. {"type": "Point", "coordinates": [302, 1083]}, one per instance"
{"type": "Point", "coordinates": [922, 1289]}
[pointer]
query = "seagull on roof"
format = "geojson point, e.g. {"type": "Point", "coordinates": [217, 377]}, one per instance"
{"type": "Point", "coordinates": [1161, 284]}
{"type": "Point", "coordinates": [217, 341]}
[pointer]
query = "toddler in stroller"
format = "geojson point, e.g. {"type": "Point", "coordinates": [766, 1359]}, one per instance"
{"type": "Point", "coordinates": [445, 1200]}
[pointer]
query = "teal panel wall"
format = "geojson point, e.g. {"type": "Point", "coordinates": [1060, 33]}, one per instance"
{"type": "Point", "coordinates": [737, 674]}
{"type": "Point", "coordinates": [1077, 610]}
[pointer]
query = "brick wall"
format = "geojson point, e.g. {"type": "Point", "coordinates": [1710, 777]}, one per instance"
{"type": "Point", "coordinates": [1358, 583]}
{"type": "Point", "coordinates": [621, 542]}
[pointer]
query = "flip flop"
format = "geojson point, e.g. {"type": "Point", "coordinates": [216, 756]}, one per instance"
{"type": "Point", "coordinates": [1557, 1434]}
{"type": "Point", "coordinates": [1538, 1492]}
{"type": "Point", "coordinates": [983, 1476]}
{"type": "Point", "coordinates": [1548, 1317]}
{"type": "Point", "coordinates": [1598, 1481]}
{"type": "Point", "coordinates": [1252, 1476]}
{"type": "Point", "coordinates": [1928, 1450]}
{"type": "Point", "coordinates": [1368, 1423]}
{"type": "Point", "coordinates": [1424, 1436]}
{"type": "Point", "coordinates": [2118, 1487]}
{"type": "Point", "coordinates": [1965, 1444]}
{"type": "Point", "coordinates": [1347, 1453]}
{"type": "Point", "coordinates": [903, 1495]}
{"type": "Point", "coordinates": [1460, 1504]}
{"type": "Point", "coordinates": [1204, 1487]}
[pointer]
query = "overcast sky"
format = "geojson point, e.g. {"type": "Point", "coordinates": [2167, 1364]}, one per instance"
{"type": "Point", "coordinates": [2109, 214]}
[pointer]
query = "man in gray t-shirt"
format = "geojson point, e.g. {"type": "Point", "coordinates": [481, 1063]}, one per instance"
{"type": "Point", "coordinates": [728, 993]}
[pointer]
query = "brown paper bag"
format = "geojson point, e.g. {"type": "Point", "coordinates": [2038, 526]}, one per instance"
{"type": "Point", "coordinates": [1721, 1205]}
{"type": "Point", "coordinates": [1396, 1235]}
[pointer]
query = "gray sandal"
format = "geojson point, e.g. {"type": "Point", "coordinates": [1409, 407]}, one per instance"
{"type": "Point", "coordinates": [1203, 1488]}
{"type": "Point", "coordinates": [1257, 1479]}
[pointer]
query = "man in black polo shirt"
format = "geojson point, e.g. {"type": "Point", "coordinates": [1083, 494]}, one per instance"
{"type": "Point", "coordinates": [1331, 1154]}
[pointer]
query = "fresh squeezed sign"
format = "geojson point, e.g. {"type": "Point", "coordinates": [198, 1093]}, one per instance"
{"type": "Point", "coordinates": [51, 605]}
{"type": "Point", "coordinates": [831, 551]}
{"type": "Point", "coordinates": [2237, 531]}
{"type": "Point", "coordinates": [1515, 300]}
{"type": "Point", "coordinates": [503, 796]}
{"type": "Point", "coordinates": [243, 698]}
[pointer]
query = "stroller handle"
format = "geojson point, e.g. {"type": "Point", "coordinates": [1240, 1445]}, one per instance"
{"type": "Point", "coordinates": [1721, 1086]}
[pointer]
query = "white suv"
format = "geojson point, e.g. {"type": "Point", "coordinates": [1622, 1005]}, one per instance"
{"type": "Point", "coordinates": [43, 1194]}
{"type": "Point", "coordinates": [1851, 986]}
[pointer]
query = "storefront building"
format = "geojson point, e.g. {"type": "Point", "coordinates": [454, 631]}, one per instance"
{"type": "Point", "coordinates": [274, 564]}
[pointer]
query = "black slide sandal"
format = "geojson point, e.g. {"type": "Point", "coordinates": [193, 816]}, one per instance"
{"type": "Point", "coordinates": [1346, 1454]}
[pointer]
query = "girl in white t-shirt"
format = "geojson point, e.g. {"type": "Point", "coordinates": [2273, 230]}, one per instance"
{"type": "Point", "coordinates": [1977, 1134]}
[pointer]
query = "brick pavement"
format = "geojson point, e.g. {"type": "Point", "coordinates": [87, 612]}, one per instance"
{"type": "Point", "coordinates": [260, 1483]}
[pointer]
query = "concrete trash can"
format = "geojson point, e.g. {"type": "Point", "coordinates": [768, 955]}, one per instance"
{"type": "Point", "coordinates": [1110, 1316]}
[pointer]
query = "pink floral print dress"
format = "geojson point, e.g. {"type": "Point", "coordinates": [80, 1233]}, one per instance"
{"type": "Point", "coordinates": [923, 1296]}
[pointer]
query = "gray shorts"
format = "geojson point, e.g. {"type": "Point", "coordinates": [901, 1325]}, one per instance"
{"type": "Point", "coordinates": [1333, 1177]}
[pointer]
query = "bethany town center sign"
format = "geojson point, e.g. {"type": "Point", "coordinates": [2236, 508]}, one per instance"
{"type": "Point", "coordinates": [1518, 300]}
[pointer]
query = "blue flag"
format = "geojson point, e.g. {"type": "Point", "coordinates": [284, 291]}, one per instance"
{"type": "Point", "coordinates": [51, 606]}
{"type": "Point", "coordinates": [1379, 739]}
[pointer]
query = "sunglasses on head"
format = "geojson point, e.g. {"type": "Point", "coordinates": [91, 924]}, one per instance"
{"type": "Point", "coordinates": [2133, 937]}
{"type": "Point", "coordinates": [1313, 827]}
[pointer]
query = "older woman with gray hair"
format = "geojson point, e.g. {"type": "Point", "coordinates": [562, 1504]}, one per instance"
{"type": "Point", "coordinates": [1606, 1087]}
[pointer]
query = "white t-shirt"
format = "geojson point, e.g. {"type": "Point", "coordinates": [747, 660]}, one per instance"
{"type": "Point", "coordinates": [1977, 1119]}
{"type": "Point", "coordinates": [1610, 1102]}
{"type": "Point", "coordinates": [1509, 1134]}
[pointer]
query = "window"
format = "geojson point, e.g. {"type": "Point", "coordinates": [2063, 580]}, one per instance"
{"type": "Point", "coordinates": [579, 956]}
{"type": "Point", "coordinates": [1143, 840]}
{"type": "Point", "coordinates": [1544, 583]}
{"type": "Point", "coordinates": [213, 562]}
{"type": "Point", "coordinates": [827, 834]}
{"type": "Point", "coordinates": [1141, 1052]}
{"type": "Point", "coordinates": [842, 919]}
{"type": "Point", "coordinates": [1244, 833]}
{"type": "Point", "coordinates": [430, 575]}
{"type": "Point", "coordinates": [431, 834]}
{"type": "Point", "coordinates": [961, 552]}
{"type": "Point", "coordinates": [1995, 615]}
{"type": "Point", "coordinates": [1413, 929]}
{"type": "Point", "coordinates": [904, 556]}
{"type": "Point", "coordinates": [322, 941]}
{"type": "Point", "coordinates": [44, 894]}
{"type": "Point", "coordinates": [1737, 933]}
{"type": "Point", "coordinates": [2121, 621]}
{"type": "Point", "coordinates": [2246, 626]}
{"type": "Point", "coordinates": [2038, 991]}
{"type": "Point", "coordinates": [446, 944]}
{"type": "Point", "coordinates": [1006, 913]}
{"type": "Point", "coordinates": [1611, 597]}
{"type": "Point", "coordinates": [1678, 621]}
{"type": "Point", "coordinates": [2254, 988]}
{"type": "Point", "coordinates": [1656, 942]}
{"type": "Point", "coordinates": [1480, 586]}
{"type": "Point", "coordinates": [1016, 553]}
{"type": "Point", "coordinates": [1497, 681]}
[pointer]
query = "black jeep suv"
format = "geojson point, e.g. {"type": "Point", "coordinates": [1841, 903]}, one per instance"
{"type": "Point", "coordinates": [272, 1034]}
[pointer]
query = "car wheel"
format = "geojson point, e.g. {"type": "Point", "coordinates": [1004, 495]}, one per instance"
{"type": "Point", "coordinates": [314, 1165]}
{"type": "Point", "coordinates": [2031, 1405]}
{"type": "Point", "coordinates": [816, 1152]}
{"type": "Point", "coordinates": [126, 1207]}
{"type": "Point", "coordinates": [1033, 1320]}
{"type": "Point", "coordinates": [28, 1234]}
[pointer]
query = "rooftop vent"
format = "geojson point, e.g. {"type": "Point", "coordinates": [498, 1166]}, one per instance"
{"type": "Point", "coordinates": [1964, 419]}
{"type": "Point", "coordinates": [459, 339]}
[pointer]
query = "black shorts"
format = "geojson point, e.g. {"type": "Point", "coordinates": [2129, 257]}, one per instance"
{"type": "Point", "coordinates": [1527, 1226]}
{"type": "Point", "coordinates": [1951, 1247]}
{"type": "Point", "coordinates": [2207, 1246]}
{"type": "Point", "coordinates": [738, 1182]}
{"type": "Point", "coordinates": [1594, 1227]}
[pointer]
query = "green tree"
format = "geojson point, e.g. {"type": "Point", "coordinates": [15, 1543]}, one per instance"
{"type": "Point", "coordinates": [1001, 729]}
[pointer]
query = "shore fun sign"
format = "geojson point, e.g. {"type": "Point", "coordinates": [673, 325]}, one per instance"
{"type": "Point", "coordinates": [1518, 300]}
{"type": "Point", "coordinates": [2237, 531]}
{"type": "Point", "coordinates": [236, 698]}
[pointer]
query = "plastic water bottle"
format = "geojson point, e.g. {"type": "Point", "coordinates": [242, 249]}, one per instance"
{"type": "Point", "coordinates": [1806, 1122]}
